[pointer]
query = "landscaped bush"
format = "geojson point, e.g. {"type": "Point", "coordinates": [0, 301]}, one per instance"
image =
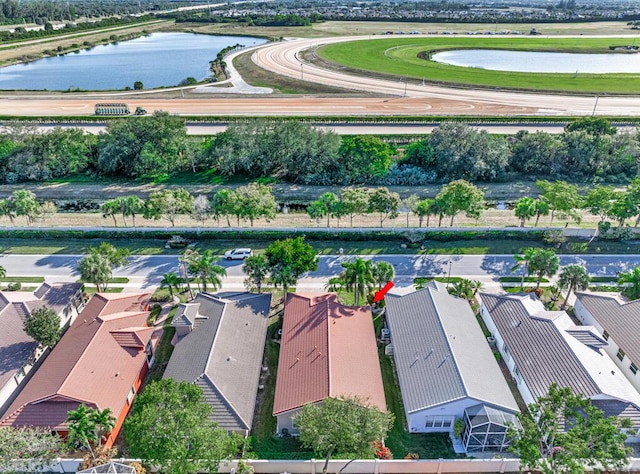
{"type": "Point", "coordinates": [14, 286]}
{"type": "Point", "coordinates": [154, 313]}
{"type": "Point", "coordinates": [161, 295]}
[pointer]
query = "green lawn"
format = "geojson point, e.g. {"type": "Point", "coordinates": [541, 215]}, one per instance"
{"type": "Point", "coordinates": [24, 279]}
{"type": "Point", "coordinates": [91, 290]}
{"type": "Point", "coordinates": [164, 349]}
{"type": "Point", "coordinates": [399, 440]}
{"type": "Point", "coordinates": [264, 442]}
{"type": "Point", "coordinates": [402, 57]}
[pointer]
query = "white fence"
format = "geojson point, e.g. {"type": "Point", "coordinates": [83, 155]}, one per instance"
{"type": "Point", "coordinates": [396, 466]}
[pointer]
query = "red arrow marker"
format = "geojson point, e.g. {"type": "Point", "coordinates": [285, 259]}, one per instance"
{"type": "Point", "coordinates": [380, 294]}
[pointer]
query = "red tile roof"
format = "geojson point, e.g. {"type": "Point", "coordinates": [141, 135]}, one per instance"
{"type": "Point", "coordinates": [88, 365]}
{"type": "Point", "coordinates": [327, 350]}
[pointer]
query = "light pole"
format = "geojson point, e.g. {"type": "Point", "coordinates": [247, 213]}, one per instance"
{"type": "Point", "coordinates": [449, 277]}
{"type": "Point", "coordinates": [302, 71]}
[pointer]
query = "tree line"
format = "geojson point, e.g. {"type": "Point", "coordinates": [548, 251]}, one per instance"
{"type": "Point", "coordinates": [290, 151]}
{"type": "Point", "coordinates": [228, 206]}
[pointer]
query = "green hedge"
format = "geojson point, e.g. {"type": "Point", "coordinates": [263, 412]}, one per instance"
{"type": "Point", "coordinates": [268, 235]}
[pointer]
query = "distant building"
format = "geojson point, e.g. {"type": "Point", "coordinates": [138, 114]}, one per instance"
{"type": "Point", "coordinates": [19, 353]}
{"type": "Point", "coordinates": [327, 350]}
{"type": "Point", "coordinates": [220, 347]}
{"type": "Point", "coordinates": [99, 362]}
{"type": "Point", "coordinates": [543, 347]}
{"type": "Point", "coordinates": [447, 370]}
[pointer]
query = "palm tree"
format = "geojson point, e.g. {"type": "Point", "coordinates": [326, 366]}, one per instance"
{"type": "Point", "coordinates": [171, 280]}
{"type": "Point", "coordinates": [357, 276]}
{"type": "Point", "coordinates": [256, 268]}
{"type": "Point", "coordinates": [104, 421]}
{"type": "Point", "coordinates": [95, 268]}
{"type": "Point", "coordinates": [633, 279]}
{"type": "Point", "coordinates": [82, 428]}
{"type": "Point", "coordinates": [462, 289]}
{"type": "Point", "coordinates": [205, 268]}
{"type": "Point", "coordinates": [3, 272]}
{"type": "Point", "coordinates": [544, 262]}
{"type": "Point", "coordinates": [382, 273]}
{"type": "Point", "coordinates": [522, 260]}
{"type": "Point", "coordinates": [574, 277]}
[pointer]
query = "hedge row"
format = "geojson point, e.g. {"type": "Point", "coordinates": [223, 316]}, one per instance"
{"type": "Point", "coordinates": [266, 236]}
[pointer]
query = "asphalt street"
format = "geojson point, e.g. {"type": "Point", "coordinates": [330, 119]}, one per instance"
{"type": "Point", "coordinates": [147, 271]}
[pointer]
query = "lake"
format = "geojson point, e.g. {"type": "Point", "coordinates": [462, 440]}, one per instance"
{"type": "Point", "coordinates": [160, 59]}
{"type": "Point", "coordinates": [541, 62]}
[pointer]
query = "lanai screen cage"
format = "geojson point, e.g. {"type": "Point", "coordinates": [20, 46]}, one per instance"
{"type": "Point", "coordinates": [110, 468]}
{"type": "Point", "coordinates": [485, 428]}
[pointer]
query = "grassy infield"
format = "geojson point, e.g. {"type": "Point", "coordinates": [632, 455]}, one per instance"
{"type": "Point", "coordinates": [399, 56]}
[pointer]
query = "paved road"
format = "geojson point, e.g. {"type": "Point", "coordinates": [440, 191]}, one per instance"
{"type": "Point", "coordinates": [146, 271]}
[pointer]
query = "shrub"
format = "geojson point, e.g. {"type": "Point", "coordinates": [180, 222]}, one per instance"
{"type": "Point", "coordinates": [382, 452]}
{"type": "Point", "coordinates": [161, 295]}
{"type": "Point", "coordinates": [458, 427]}
{"type": "Point", "coordinates": [412, 456]}
{"type": "Point", "coordinates": [14, 286]}
{"type": "Point", "coordinates": [138, 467]}
{"type": "Point", "coordinates": [153, 315]}
{"type": "Point", "coordinates": [407, 175]}
{"type": "Point", "coordinates": [578, 247]}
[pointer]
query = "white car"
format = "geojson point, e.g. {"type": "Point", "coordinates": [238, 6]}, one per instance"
{"type": "Point", "coordinates": [237, 254]}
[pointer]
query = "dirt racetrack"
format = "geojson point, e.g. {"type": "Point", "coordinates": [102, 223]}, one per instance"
{"type": "Point", "coordinates": [264, 106]}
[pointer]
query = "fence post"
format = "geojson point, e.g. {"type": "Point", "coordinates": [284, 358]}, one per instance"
{"type": "Point", "coordinates": [439, 466]}
{"type": "Point", "coordinates": [313, 466]}
{"type": "Point", "coordinates": [376, 466]}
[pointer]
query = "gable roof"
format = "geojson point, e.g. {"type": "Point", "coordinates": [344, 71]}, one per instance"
{"type": "Point", "coordinates": [88, 365]}
{"type": "Point", "coordinates": [436, 337]}
{"type": "Point", "coordinates": [545, 350]}
{"type": "Point", "coordinates": [16, 347]}
{"type": "Point", "coordinates": [620, 319]}
{"type": "Point", "coordinates": [327, 350]}
{"type": "Point", "coordinates": [223, 353]}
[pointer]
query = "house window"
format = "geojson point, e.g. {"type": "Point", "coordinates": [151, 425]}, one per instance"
{"type": "Point", "coordinates": [130, 395]}
{"type": "Point", "coordinates": [149, 351]}
{"type": "Point", "coordinates": [633, 368]}
{"type": "Point", "coordinates": [439, 421]}
{"type": "Point", "coordinates": [605, 335]}
{"type": "Point", "coordinates": [505, 351]}
{"type": "Point", "coordinates": [620, 354]}
{"type": "Point", "coordinates": [517, 374]}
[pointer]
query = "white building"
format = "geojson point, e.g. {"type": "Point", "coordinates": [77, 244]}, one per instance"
{"type": "Point", "coordinates": [543, 347]}
{"type": "Point", "coordinates": [447, 370]}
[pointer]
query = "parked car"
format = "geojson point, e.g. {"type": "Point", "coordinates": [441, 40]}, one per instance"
{"type": "Point", "coordinates": [237, 254]}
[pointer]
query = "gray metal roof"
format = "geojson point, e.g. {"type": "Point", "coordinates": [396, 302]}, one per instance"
{"type": "Point", "coordinates": [441, 353]}
{"type": "Point", "coordinates": [620, 320]}
{"type": "Point", "coordinates": [537, 347]}
{"type": "Point", "coordinates": [223, 354]}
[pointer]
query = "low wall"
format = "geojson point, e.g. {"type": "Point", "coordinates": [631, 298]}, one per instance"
{"type": "Point", "coordinates": [395, 466]}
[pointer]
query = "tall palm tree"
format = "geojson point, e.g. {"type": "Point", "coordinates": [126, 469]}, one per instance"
{"type": "Point", "coordinates": [205, 268]}
{"type": "Point", "coordinates": [382, 273]}
{"type": "Point", "coordinates": [170, 280]}
{"type": "Point", "coordinates": [81, 427]}
{"type": "Point", "coordinates": [522, 260]}
{"type": "Point", "coordinates": [256, 267]}
{"type": "Point", "coordinates": [544, 262]}
{"type": "Point", "coordinates": [358, 276]}
{"type": "Point", "coordinates": [95, 268]}
{"type": "Point", "coordinates": [631, 278]}
{"type": "Point", "coordinates": [104, 421]}
{"type": "Point", "coordinates": [573, 277]}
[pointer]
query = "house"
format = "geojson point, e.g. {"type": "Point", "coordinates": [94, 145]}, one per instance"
{"type": "Point", "coordinates": [543, 347]}
{"type": "Point", "coordinates": [220, 346]}
{"type": "Point", "coordinates": [446, 369]}
{"type": "Point", "coordinates": [19, 353]}
{"type": "Point", "coordinates": [619, 323]}
{"type": "Point", "coordinates": [327, 350]}
{"type": "Point", "coordinates": [100, 361]}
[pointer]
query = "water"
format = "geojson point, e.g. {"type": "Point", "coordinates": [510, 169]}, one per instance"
{"type": "Point", "coordinates": [160, 59]}
{"type": "Point", "coordinates": [526, 61]}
